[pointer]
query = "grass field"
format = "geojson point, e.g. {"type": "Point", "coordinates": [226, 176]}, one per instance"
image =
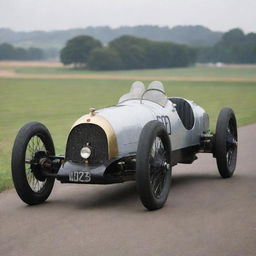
{"type": "Point", "coordinates": [58, 103]}
{"type": "Point", "coordinates": [214, 72]}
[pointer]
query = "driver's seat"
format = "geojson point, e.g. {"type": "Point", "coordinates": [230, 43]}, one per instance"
{"type": "Point", "coordinates": [184, 111]}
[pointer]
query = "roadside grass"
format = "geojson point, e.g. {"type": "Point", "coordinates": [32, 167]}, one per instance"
{"type": "Point", "coordinates": [212, 72]}
{"type": "Point", "coordinates": [58, 103]}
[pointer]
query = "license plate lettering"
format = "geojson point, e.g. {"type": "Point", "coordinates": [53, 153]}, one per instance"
{"type": "Point", "coordinates": [79, 176]}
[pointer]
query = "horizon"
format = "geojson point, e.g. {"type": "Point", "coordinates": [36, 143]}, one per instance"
{"type": "Point", "coordinates": [122, 26]}
{"type": "Point", "coordinates": [28, 15]}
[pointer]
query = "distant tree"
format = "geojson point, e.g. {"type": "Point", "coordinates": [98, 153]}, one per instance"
{"type": "Point", "coordinates": [234, 47]}
{"type": "Point", "coordinates": [7, 52]}
{"type": "Point", "coordinates": [77, 50]}
{"type": "Point", "coordinates": [104, 59]}
{"type": "Point", "coordinates": [137, 53]}
{"type": "Point", "coordinates": [20, 54]}
{"type": "Point", "coordinates": [35, 53]}
{"type": "Point", "coordinates": [233, 36]}
{"type": "Point", "coordinates": [132, 50]}
{"type": "Point", "coordinates": [189, 35]}
{"type": "Point", "coordinates": [52, 53]}
{"type": "Point", "coordinates": [126, 52]}
{"type": "Point", "coordinates": [165, 54]}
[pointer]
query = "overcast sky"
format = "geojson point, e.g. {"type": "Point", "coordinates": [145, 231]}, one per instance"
{"type": "Point", "coordinates": [222, 15]}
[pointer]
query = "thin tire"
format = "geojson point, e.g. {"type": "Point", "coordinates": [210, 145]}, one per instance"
{"type": "Point", "coordinates": [153, 165]}
{"type": "Point", "coordinates": [226, 142]}
{"type": "Point", "coordinates": [32, 140]}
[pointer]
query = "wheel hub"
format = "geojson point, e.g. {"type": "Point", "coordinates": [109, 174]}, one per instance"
{"type": "Point", "coordinates": [36, 166]}
{"type": "Point", "coordinates": [231, 144]}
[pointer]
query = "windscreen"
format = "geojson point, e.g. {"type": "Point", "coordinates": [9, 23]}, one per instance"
{"type": "Point", "coordinates": [156, 93]}
{"type": "Point", "coordinates": [136, 91]}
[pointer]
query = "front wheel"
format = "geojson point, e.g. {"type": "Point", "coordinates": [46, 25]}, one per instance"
{"type": "Point", "coordinates": [33, 143]}
{"type": "Point", "coordinates": [153, 165]}
{"type": "Point", "coordinates": [226, 142]}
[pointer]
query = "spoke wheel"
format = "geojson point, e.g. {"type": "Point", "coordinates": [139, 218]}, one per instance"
{"type": "Point", "coordinates": [35, 148]}
{"type": "Point", "coordinates": [226, 143]}
{"type": "Point", "coordinates": [153, 165]}
{"type": "Point", "coordinates": [32, 144]}
{"type": "Point", "coordinates": [158, 167]}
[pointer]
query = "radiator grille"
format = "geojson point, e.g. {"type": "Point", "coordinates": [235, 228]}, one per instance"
{"type": "Point", "coordinates": [80, 136]}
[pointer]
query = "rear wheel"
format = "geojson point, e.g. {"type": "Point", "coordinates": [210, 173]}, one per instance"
{"type": "Point", "coordinates": [32, 144]}
{"type": "Point", "coordinates": [226, 142]}
{"type": "Point", "coordinates": [153, 165]}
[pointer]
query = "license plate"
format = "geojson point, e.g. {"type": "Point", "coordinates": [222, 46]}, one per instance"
{"type": "Point", "coordinates": [79, 176]}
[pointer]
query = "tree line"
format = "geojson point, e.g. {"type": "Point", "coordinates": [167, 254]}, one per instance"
{"type": "Point", "coordinates": [126, 52]}
{"type": "Point", "coordinates": [234, 47]}
{"type": "Point", "coordinates": [9, 52]}
{"type": "Point", "coordinates": [189, 35]}
{"type": "Point", "coordinates": [129, 52]}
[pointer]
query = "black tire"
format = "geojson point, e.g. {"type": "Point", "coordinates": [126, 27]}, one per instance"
{"type": "Point", "coordinates": [30, 188]}
{"type": "Point", "coordinates": [153, 169]}
{"type": "Point", "coordinates": [226, 142]}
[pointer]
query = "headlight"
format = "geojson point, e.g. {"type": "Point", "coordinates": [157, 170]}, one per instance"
{"type": "Point", "coordinates": [85, 152]}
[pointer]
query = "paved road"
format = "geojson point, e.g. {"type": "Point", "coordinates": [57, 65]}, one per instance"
{"type": "Point", "coordinates": [205, 215]}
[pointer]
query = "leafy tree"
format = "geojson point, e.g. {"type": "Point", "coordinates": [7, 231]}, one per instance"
{"type": "Point", "coordinates": [126, 52]}
{"type": "Point", "coordinates": [35, 53]}
{"type": "Point", "coordinates": [142, 53]}
{"type": "Point", "coordinates": [233, 36]}
{"type": "Point", "coordinates": [8, 52]}
{"type": "Point", "coordinates": [51, 53]}
{"type": "Point", "coordinates": [77, 50]}
{"type": "Point", "coordinates": [234, 47]}
{"type": "Point", "coordinates": [132, 50]}
{"type": "Point", "coordinates": [20, 54]}
{"type": "Point", "coordinates": [104, 59]}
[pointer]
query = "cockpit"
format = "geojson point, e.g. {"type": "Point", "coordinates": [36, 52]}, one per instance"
{"type": "Point", "coordinates": [155, 93]}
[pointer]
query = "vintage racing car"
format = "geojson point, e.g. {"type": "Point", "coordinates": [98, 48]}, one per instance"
{"type": "Point", "coordinates": [140, 139]}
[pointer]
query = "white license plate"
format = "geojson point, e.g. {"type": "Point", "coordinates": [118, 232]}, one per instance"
{"type": "Point", "coordinates": [79, 176]}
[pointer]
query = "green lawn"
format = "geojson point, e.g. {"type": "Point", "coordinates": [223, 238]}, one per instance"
{"type": "Point", "coordinates": [213, 72]}
{"type": "Point", "coordinates": [58, 103]}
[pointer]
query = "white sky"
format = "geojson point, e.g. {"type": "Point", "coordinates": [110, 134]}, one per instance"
{"type": "Point", "coordinates": [222, 15]}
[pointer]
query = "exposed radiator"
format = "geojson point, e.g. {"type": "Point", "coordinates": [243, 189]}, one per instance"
{"type": "Point", "coordinates": [87, 134]}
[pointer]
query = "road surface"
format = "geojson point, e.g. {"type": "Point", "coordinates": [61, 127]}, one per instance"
{"type": "Point", "coordinates": [204, 215]}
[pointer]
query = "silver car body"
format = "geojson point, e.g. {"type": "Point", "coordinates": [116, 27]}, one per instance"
{"type": "Point", "coordinates": [124, 122]}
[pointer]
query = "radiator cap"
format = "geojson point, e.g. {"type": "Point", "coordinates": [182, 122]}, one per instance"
{"type": "Point", "coordinates": [92, 111]}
